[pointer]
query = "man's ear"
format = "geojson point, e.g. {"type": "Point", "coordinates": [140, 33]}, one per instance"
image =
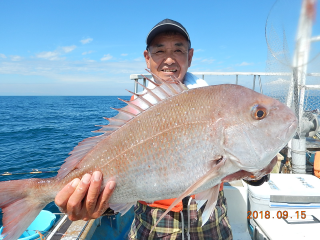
{"type": "Point", "coordinates": [147, 58]}
{"type": "Point", "coordinates": [190, 55]}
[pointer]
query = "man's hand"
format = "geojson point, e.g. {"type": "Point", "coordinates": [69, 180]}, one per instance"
{"type": "Point", "coordinates": [81, 199]}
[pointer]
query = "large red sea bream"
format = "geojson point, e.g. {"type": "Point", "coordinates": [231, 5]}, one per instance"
{"type": "Point", "coordinates": [170, 142]}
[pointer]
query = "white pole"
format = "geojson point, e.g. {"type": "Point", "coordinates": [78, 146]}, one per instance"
{"type": "Point", "coordinates": [300, 62]}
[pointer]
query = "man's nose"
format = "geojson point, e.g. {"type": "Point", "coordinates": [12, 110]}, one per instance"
{"type": "Point", "coordinates": [169, 60]}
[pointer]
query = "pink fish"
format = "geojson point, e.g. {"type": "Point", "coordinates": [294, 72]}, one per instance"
{"type": "Point", "coordinates": [169, 142]}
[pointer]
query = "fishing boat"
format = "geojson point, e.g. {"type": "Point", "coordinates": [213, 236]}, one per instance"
{"type": "Point", "coordinates": [41, 225]}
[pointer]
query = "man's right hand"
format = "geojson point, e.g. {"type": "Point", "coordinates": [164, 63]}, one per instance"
{"type": "Point", "coordinates": [81, 199]}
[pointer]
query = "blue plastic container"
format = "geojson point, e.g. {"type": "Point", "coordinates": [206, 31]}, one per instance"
{"type": "Point", "coordinates": [43, 222]}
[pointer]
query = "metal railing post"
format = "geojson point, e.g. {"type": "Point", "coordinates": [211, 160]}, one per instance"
{"type": "Point", "coordinates": [144, 82]}
{"type": "Point", "coordinates": [237, 79]}
{"type": "Point", "coordinates": [254, 82]}
{"type": "Point", "coordinates": [260, 84]}
{"type": "Point", "coordinates": [136, 85]}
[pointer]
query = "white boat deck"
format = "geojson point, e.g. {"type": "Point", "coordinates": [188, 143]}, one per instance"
{"type": "Point", "coordinates": [236, 195]}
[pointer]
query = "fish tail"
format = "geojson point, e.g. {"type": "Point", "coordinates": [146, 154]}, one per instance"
{"type": "Point", "coordinates": [20, 206]}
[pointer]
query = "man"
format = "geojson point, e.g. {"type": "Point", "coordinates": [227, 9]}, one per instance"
{"type": "Point", "coordinates": [168, 55]}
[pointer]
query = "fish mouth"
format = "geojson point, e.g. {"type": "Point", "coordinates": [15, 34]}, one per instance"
{"type": "Point", "coordinates": [294, 124]}
{"type": "Point", "coordinates": [289, 132]}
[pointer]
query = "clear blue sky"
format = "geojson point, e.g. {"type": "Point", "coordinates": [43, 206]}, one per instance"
{"type": "Point", "coordinates": [91, 47]}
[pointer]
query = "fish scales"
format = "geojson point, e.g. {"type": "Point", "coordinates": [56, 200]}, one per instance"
{"type": "Point", "coordinates": [157, 146]}
{"type": "Point", "coordinates": [184, 144]}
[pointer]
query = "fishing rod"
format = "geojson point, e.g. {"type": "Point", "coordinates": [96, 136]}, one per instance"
{"type": "Point", "coordinates": [33, 171]}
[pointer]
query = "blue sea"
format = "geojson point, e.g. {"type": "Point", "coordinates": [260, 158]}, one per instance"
{"type": "Point", "coordinates": [39, 132]}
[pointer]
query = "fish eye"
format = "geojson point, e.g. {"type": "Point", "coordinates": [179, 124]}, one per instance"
{"type": "Point", "coordinates": [259, 112]}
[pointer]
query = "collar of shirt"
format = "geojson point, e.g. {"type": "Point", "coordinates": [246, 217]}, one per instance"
{"type": "Point", "coordinates": [190, 80]}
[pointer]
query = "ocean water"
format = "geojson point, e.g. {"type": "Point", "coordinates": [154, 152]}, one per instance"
{"type": "Point", "coordinates": [39, 132]}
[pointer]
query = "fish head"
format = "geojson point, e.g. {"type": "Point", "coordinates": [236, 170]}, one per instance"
{"type": "Point", "coordinates": [257, 130]}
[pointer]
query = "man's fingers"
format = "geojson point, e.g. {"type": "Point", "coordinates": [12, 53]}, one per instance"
{"type": "Point", "coordinates": [93, 192]}
{"type": "Point", "coordinates": [74, 204]}
{"type": "Point", "coordinates": [63, 196]}
{"type": "Point", "coordinates": [71, 198]}
{"type": "Point", "coordinates": [102, 204]}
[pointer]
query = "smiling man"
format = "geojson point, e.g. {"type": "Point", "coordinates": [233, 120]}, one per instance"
{"type": "Point", "coordinates": [169, 55]}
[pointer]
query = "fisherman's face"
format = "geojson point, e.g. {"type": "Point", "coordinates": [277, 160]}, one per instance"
{"type": "Point", "coordinates": [169, 56]}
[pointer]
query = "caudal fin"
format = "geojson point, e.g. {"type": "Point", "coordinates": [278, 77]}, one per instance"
{"type": "Point", "coordinates": [19, 207]}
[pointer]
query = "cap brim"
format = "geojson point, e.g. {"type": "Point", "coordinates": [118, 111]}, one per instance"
{"type": "Point", "coordinates": [163, 28]}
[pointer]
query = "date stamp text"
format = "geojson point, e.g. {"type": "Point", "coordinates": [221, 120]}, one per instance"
{"type": "Point", "coordinates": [277, 215]}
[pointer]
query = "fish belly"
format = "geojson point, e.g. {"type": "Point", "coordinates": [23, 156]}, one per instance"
{"type": "Point", "coordinates": [165, 165]}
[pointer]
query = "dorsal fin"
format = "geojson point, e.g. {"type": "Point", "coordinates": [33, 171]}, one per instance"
{"type": "Point", "coordinates": [148, 98]}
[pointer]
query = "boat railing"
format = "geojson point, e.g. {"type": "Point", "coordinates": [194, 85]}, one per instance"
{"type": "Point", "coordinates": [255, 75]}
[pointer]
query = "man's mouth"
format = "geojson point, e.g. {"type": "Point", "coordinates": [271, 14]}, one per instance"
{"type": "Point", "coordinates": [169, 70]}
